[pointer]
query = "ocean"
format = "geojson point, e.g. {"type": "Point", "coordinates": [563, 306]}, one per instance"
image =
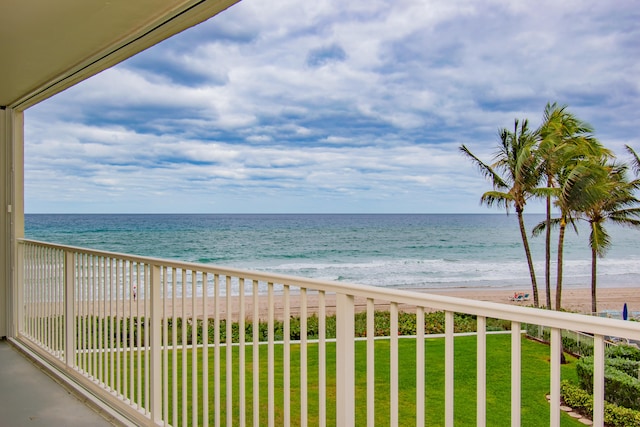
{"type": "Point", "coordinates": [431, 251]}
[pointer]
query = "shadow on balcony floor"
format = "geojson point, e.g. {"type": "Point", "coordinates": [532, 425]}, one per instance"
{"type": "Point", "coordinates": [29, 397]}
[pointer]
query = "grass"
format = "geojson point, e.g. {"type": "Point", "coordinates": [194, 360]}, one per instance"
{"type": "Point", "coordinates": [535, 383]}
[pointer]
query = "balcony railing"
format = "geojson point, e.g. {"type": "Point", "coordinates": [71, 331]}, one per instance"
{"type": "Point", "coordinates": [135, 332]}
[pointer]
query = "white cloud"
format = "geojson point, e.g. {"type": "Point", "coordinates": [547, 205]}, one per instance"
{"type": "Point", "coordinates": [330, 106]}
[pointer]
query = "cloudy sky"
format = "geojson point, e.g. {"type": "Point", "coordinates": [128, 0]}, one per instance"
{"type": "Point", "coordinates": [331, 106]}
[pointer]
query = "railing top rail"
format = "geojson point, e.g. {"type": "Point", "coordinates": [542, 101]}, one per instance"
{"type": "Point", "coordinates": [549, 318]}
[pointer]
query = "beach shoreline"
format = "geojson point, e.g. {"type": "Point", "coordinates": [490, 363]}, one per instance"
{"type": "Point", "coordinates": [576, 299]}
{"type": "Point", "coordinates": [610, 301]}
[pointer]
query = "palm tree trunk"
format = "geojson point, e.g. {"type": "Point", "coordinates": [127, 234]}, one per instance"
{"type": "Point", "coordinates": [594, 258]}
{"type": "Point", "coordinates": [527, 251]}
{"type": "Point", "coordinates": [547, 250]}
{"type": "Point", "coordinates": [563, 225]}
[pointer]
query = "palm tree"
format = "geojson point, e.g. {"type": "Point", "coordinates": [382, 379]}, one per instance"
{"type": "Point", "coordinates": [575, 179]}
{"type": "Point", "coordinates": [635, 161]}
{"type": "Point", "coordinates": [563, 141]}
{"type": "Point", "coordinates": [513, 175]}
{"type": "Point", "coordinates": [608, 196]}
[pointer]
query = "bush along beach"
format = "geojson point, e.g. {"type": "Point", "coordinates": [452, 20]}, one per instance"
{"type": "Point", "coordinates": [127, 330]}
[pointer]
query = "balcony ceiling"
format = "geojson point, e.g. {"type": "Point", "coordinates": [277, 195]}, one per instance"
{"type": "Point", "coordinates": [48, 45]}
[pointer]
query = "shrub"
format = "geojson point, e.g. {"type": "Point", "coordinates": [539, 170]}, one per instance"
{"type": "Point", "coordinates": [621, 383]}
{"type": "Point", "coordinates": [623, 352]}
{"type": "Point", "coordinates": [582, 402]}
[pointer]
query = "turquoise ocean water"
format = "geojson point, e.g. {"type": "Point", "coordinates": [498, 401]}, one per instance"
{"type": "Point", "coordinates": [391, 250]}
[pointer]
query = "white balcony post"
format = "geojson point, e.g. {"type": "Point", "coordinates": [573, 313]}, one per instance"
{"type": "Point", "coordinates": [449, 362]}
{"type": "Point", "coordinates": [345, 360]}
{"type": "Point", "coordinates": [556, 354]}
{"type": "Point", "coordinates": [598, 380]}
{"type": "Point", "coordinates": [516, 373]}
{"type": "Point", "coordinates": [154, 321]}
{"type": "Point", "coordinates": [69, 309]}
{"type": "Point", "coordinates": [481, 374]}
{"type": "Point", "coordinates": [11, 212]}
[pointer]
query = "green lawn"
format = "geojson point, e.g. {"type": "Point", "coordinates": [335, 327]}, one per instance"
{"type": "Point", "coordinates": [535, 383]}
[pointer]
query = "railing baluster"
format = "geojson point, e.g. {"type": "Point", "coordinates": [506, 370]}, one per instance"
{"type": "Point", "coordinates": [420, 366]}
{"type": "Point", "coordinates": [48, 330]}
{"type": "Point", "coordinates": [286, 318]}
{"type": "Point", "coordinates": [154, 323]}
{"type": "Point", "coordinates": [104, 342]}
{"type": "Point", "coordinates": [88, 315]}
{"type": "Point", "coordinates": [481, 375]}
{"type": "Point", "coordinates": [95, 321]}
{"type": "Point", "coordinates": [270, 358]}
{"type": "Point", "coordinates": [82, 312]}
{"type": "Point", "coordinates": [241, 355]}
{"type": "Point", "coordinates": [185, 407]}
{"type": "Point", "coordinates": [516, 369]}
{"type": "Point", "coordinates": [216, 348]}
{"type": "Point", "coordinates": [129, 388]}
{"type": "Point", "coordinates": [194, 348]}
{"type": "Point", "coordinates": [101, 315]}
{"type": "Point", "coordinates": [69, 315]}
{"type": "Point", "coordinates": [146, 306]}
{"type": "Point", "coordinates": [304, 409]}
{"type": "Point", "coordinates": [393, 367]}
{"type": "Point", "coordinates": [256, 355]}
{"type": "Point", "coordinates": [174, 346]}
{"type": "Point", "coordinates": [205, 350]}
{"type": "Point", "coordinates": [322, 359]}
{"type": "Point", "coordinates": [127, 360]}
{"type": "Point", "coordinates": [598, 380]}
{"type": "Point", "coordinates": [19, 294]}
{"type": "Point", "coordinates": [24, 286]}
{"type": "Point", "coordinates": [119, 318]}
{"type": "Point", "coordinates": [112, 283]}
{"type": "Point", "coordinates": [38, 298]}
{"type": "Point", "coordinates": [345, 361]}
{"type": "Point", "coordinates": [140, 331]}
{"type": "Point", "coordinates": [371, 368]}
{"type": "Point", "coordinates": [229, 354]}
{"type": "Point", "coordinates": [448, 369]}
{"type": "Point", "coordinates": [165, 344]}
{"type": "Point", "coordinates": [556, 354]}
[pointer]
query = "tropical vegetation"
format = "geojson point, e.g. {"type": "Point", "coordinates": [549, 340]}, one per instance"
{"type": "Point", "coordinates": [563, 163]}
{"type": "Point", "coordinates": [513, 175]}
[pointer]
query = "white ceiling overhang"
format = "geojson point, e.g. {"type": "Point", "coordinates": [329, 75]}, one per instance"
{"type": "Point", "coordinates": [47, 46]}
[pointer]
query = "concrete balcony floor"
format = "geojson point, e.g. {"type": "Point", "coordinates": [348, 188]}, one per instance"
{"type": "Point", "coordinates": [30, 397]}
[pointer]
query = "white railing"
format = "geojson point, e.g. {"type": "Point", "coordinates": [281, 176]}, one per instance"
{"type": "Point", "coordinates": [130, 330]}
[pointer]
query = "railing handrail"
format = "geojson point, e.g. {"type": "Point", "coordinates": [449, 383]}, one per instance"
{"type": "Point", "coordinates": [538, 316]}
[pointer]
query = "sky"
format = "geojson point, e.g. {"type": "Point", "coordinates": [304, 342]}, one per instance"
{"type": "Point", "coordinates": [331, 106]}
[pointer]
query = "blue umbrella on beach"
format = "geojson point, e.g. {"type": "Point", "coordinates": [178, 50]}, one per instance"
{"type": "Point", "coordinates": [625, 312]}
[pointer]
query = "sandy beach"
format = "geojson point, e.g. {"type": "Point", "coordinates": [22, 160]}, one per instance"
{"type": "Point", "coordinates": [576, 300]}
{"type": "Point", "coordinates": [573, 299]}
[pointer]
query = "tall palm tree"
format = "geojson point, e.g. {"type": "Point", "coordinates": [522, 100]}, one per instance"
{"type": "Point", "coordinates": [575, 179]}
{"type": "Point", "coordinates": [607, 196]}
{"type": "Point", "coordinates": [635, 161]}
{"type": "Point", "coordinates": [563, 141]}
{"type": "Point", "coordinates": [513, 175]}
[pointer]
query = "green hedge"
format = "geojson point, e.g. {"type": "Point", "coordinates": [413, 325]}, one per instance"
{"type": "Point", "coordinates": [582, 402]}
{"type": "Point", "coordinates": [624, 352]}
{"type": "Point", "coordinates": [569, 344]}
{"type": "Point", "coordinates": [621, 383]}
{"type": "Point", "coordinates": [130, 328]}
